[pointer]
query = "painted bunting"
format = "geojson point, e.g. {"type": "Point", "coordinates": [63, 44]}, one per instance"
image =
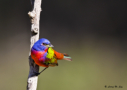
{"type": "Point", "coordinates": [44, 55]}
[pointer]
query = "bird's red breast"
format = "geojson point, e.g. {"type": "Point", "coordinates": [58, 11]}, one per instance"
{"type": "Point", "coordinates": [36, 55]}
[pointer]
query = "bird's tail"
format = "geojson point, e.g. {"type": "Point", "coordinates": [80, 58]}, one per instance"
{"type": "Point", "coordinates": [67, 57]}
{"type": "Point", "coordinates": [63, 56]}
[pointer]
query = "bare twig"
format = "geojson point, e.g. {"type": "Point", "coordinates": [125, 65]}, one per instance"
{"type": "Point", "coordinates": [35, 18]}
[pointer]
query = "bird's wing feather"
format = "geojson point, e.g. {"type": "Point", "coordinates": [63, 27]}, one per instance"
{"type": "Point", "coordinates": [50, 56]}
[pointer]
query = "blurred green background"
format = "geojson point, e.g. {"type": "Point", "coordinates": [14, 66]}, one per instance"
{"type": "Point", "coordinates": [92, 32]}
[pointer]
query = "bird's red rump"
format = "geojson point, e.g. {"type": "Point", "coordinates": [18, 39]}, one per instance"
{"type": "Point", "coordinates": [58, 55]}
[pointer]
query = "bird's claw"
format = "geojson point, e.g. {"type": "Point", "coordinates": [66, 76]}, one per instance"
{"type": "Point", "coordinates": [37, 74]}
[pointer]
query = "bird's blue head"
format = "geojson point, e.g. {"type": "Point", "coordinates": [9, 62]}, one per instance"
{"type": "Point", "coordinates": [42, 44]}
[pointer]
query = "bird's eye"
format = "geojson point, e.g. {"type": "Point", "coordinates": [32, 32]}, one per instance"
{"type": "Point", "coordinates": [45, 44]}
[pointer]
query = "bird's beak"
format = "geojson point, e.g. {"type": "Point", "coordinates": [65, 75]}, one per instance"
{"type": "Point", "coordinates": [50, 45]}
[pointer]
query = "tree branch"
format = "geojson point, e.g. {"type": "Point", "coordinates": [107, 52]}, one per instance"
{"type": "Point", "coordinates": [35, 18]}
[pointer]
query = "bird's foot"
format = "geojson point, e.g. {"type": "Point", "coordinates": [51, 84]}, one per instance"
{"type": "Point", "coordinates": [37, 73]}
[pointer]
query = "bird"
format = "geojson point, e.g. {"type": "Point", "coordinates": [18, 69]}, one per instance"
{"type": "Point", "coordinates": [44, 55]}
